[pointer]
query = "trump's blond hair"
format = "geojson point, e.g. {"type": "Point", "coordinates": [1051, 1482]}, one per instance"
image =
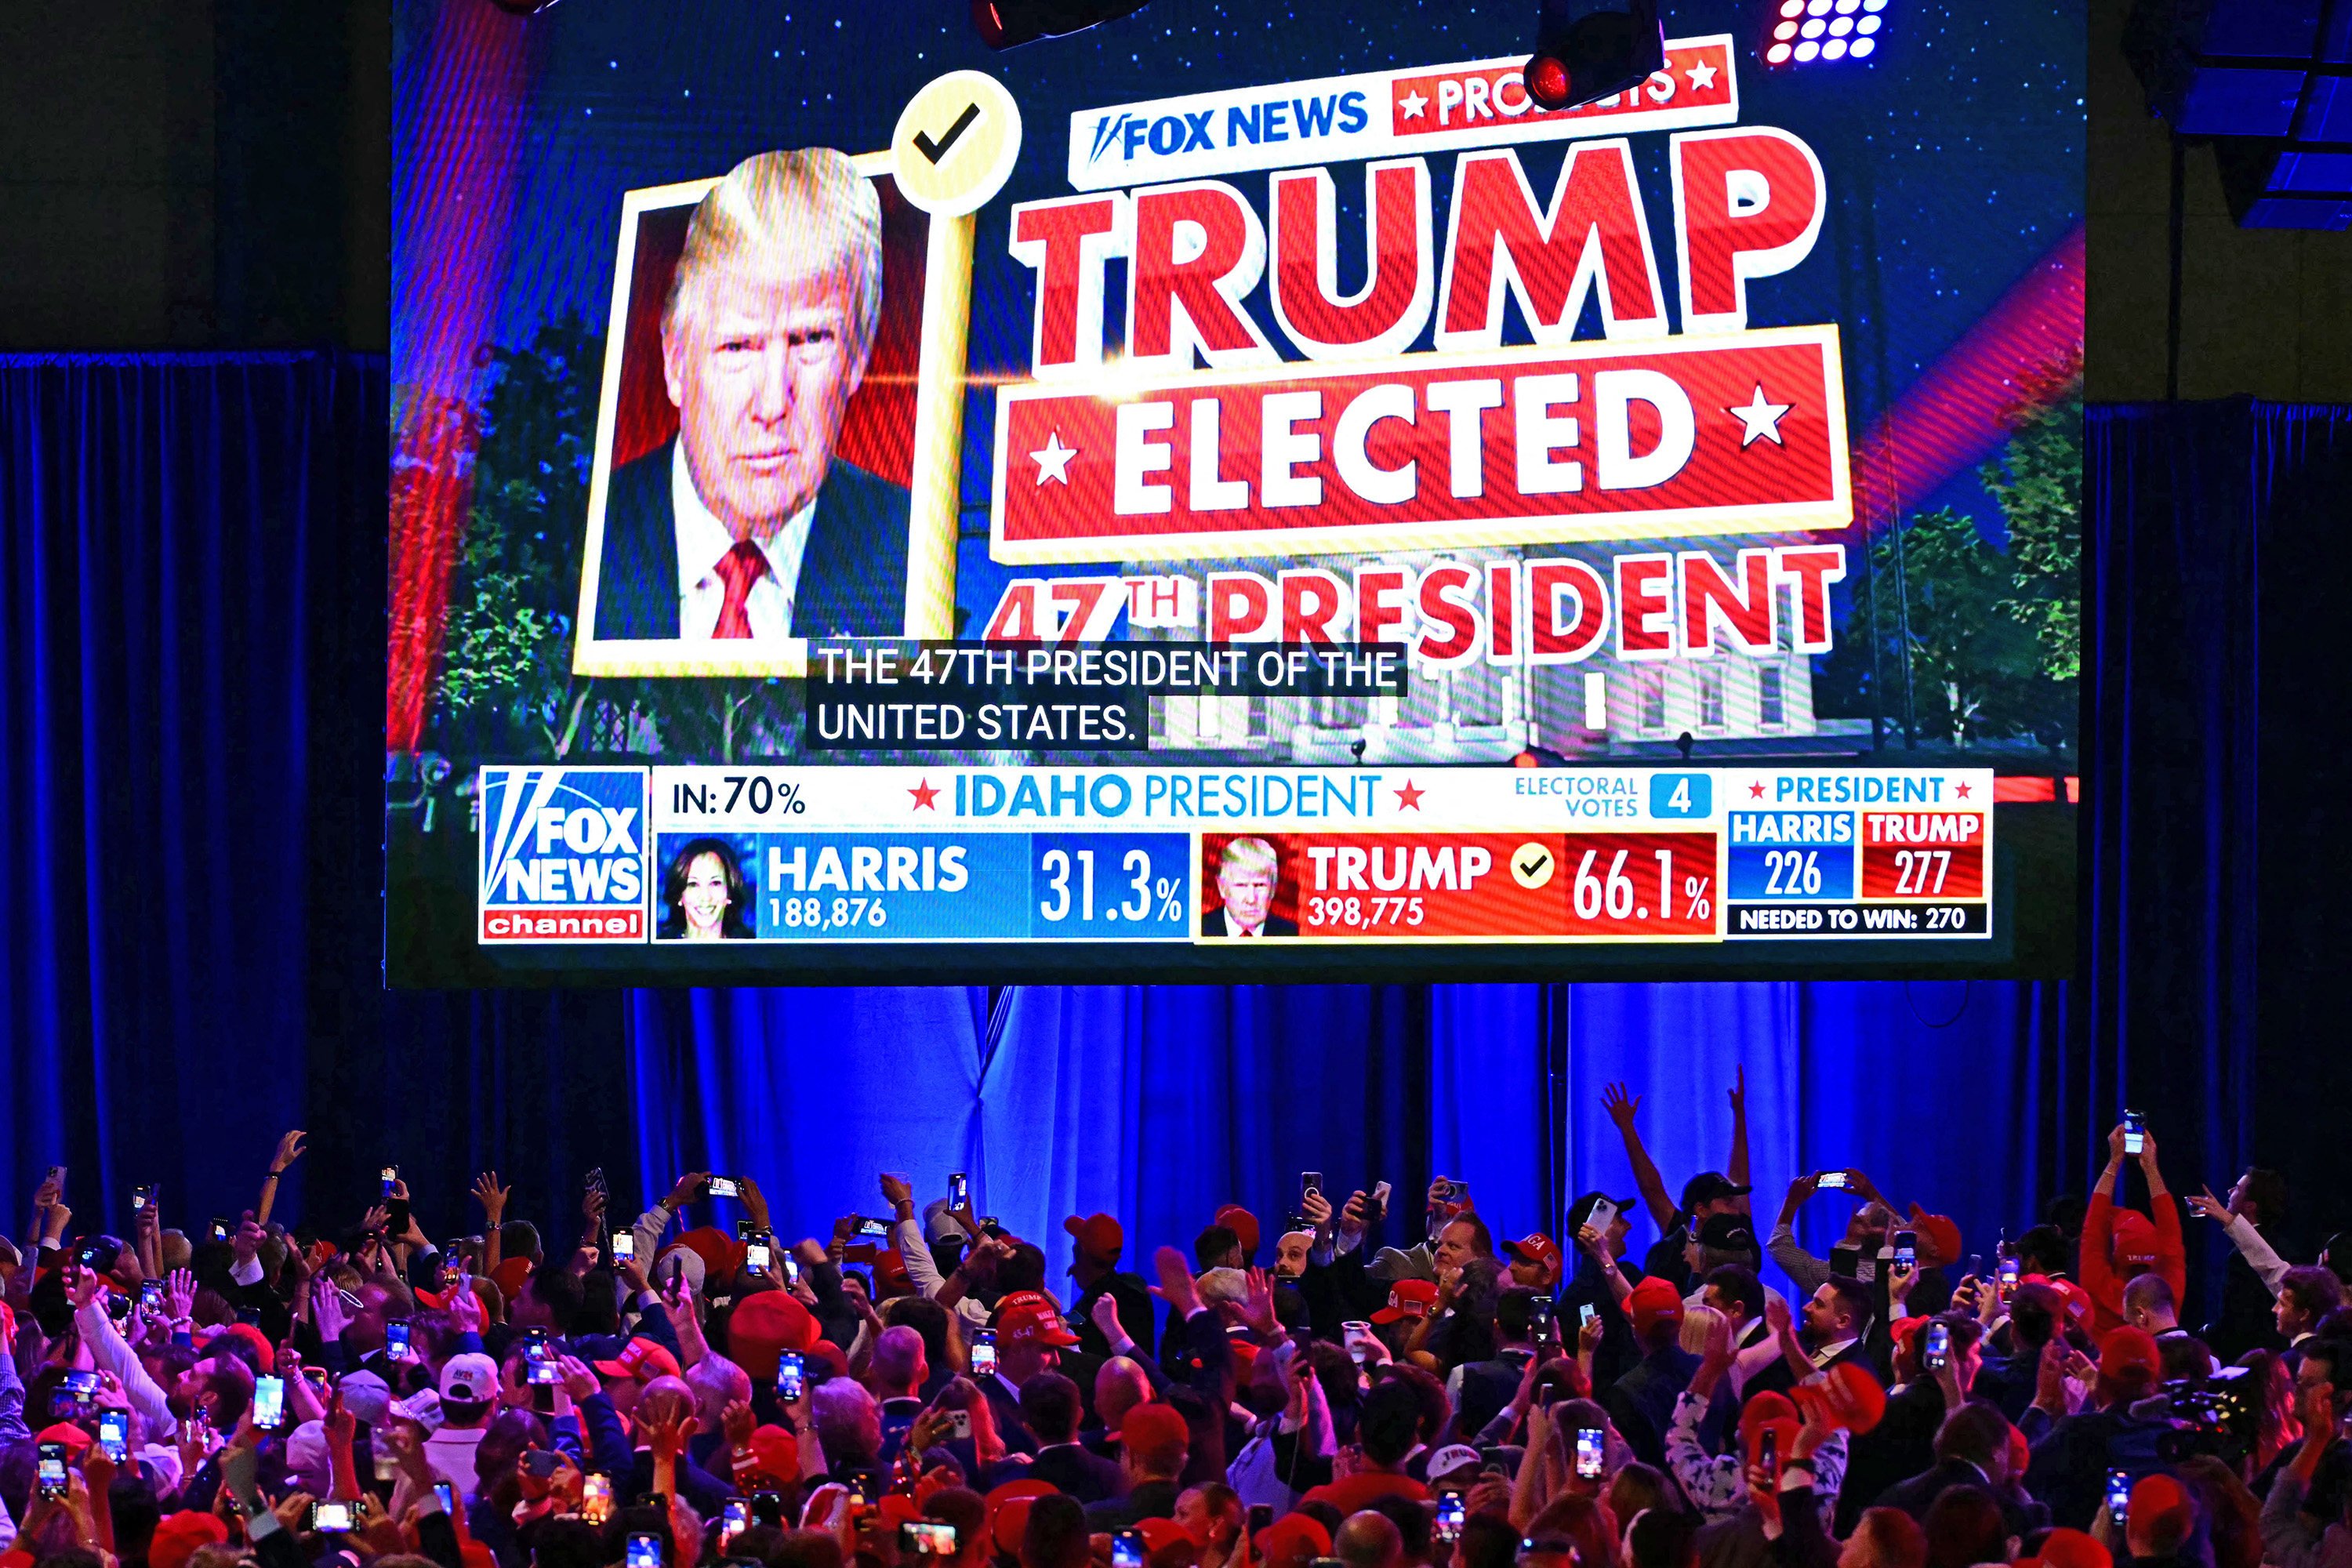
{"type": "Point", "coordinates": [809, 206]}
{"type": "Point", "coordinates": [1246, 854]}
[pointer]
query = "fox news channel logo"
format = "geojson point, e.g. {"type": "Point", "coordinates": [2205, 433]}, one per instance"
{"type": "Point", "coordinates": [564, 855]}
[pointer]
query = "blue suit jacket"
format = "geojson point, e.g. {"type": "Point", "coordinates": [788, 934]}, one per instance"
{"type": "Point", "coordinates": [853, 578]}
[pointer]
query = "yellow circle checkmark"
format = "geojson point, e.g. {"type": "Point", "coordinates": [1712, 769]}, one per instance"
{"type": "Point", "coordinates": [956, 141]}
{"type": "Point", "coordinates": [1532, 866]}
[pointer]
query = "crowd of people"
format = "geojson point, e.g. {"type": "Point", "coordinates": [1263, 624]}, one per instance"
{"type": "Point", "coordinates": [1362, 1384]}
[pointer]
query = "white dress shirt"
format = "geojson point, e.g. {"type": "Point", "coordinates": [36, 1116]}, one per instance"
{"type": "Point", "coordinates": [703, 540]}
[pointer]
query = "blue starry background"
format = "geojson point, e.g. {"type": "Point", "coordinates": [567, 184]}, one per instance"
{"type": "Point", "coordinates": [1953, 155]}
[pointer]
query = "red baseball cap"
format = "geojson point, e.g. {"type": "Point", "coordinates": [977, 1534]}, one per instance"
{"type": "Point", "coordinates": [776, 1454]}
{"type": "Point", "coordinates": [890, 1274]}
{"type": "Point", "coordinates": [1160, 1533]}
{"type": "Point", "coordinates": [1293, 1541]}
{"type": "Point", "coordinates": [177, 1538]}
{"type": "Point", "coordinates": [1242, 1222]}
{"type": "Point", "coordinates": [1008, 1522]}
{"type": "Point", "coordinates": [1847, 1394]}
{"type": "Point", "coordinates": [1940, 1232]}
{"type": "Point", "coordinates": [2134, 1237]}
{"type": "Point", "coordinates": [720, 1253]}
{"type": "Point", "coordinates": [1765, 1409]}
{"type": "Point", "coordinates": [2126, 1350]}
{"type": "Point", "coordinates": [74, 1438]}
{"type": "Point", "coordinates": [2159, 1501]}
{"type": "Point", "coordinates": [1098, 1235]}
{"type": "Point", "coordinates": [2064, 1548]}
{"type": "Point", "coordinates": [1653, 1301]}
{"type": "Point", "coordinates": [1408, 1299]}
{"type": "Point", "coordinates": [764, 1326]}
{"type": "Point", "coordinates": [1032, 1318]}
{"type": "Point", "coordinates": [1534, 1248]}
{"type": "Point", "coordinates": [643, 1360]}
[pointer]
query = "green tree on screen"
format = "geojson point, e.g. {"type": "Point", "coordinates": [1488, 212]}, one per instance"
{"type": "Point", "coordinates": [506, 669]}
{"type": "Point", "coordinates": [2039, 483]}
{"type": "Point", "coordinates": [506, 690]}
{"type": "Point", "coordinates": [1994, 633]}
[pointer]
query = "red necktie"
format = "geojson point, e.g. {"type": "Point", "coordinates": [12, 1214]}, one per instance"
{"type": "Point", "coordinates": [739, 568]}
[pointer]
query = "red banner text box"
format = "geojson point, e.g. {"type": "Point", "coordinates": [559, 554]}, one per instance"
{"type": "Point", "coordinates": [1570, 450]}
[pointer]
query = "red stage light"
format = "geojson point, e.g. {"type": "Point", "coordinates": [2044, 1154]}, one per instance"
{"type": "Point", "coordinates": [1547, 81]}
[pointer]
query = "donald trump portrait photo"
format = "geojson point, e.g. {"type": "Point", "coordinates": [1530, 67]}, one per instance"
{"type": "Point", "coordinates": [746, 527]}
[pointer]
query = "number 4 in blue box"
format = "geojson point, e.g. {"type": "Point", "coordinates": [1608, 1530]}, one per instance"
{"type": "Point", "coordinates": [1682, 794]}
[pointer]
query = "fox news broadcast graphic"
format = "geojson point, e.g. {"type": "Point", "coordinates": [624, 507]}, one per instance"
{"type": "Point", "coordinates": [868, 506]}
{"type": "Point", "coordinates": [1189, 856]}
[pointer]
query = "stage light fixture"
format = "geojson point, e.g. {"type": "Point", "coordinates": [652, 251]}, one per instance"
{"type": "Point", "coordinates": [1583, 59]}
{"type": "Point", "coordinates": [1008, 24]}
{"type": "Point", "coordinates": [523, 7]}
{"type": "Point", "coordinates": [1806, 31]}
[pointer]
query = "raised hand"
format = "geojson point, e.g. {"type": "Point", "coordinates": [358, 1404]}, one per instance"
{"type": "Point", "coordinates": [755, 1202]}
{"type": "Point", "coordinates": [290, 1149]}
{"type": "Point", "coordinates": [1718, 1343]}
{"type": "Point", "coordinates": [580, 1379]}
{"type": "Point", "coordinates": [670, 1437]}
{"type": "Point", "coordinates": [1739, 1090]}
{"type": "Point", "coordinates": [738, 1422]}
{"type": "Point", "coordinates": [1257, 1305]}
{"type": "Point", "coordinates": [492, 1196]}
{"type": "Point", "coordinates": [1104, 1312]}
{"type": "Point", "coordinates": [689, 1187]}
{"type": "Point", "coordinates": [1316, 1209]}
{"type": "Point", "coordinates": [1621, 1106]}
{"type": "Point", "coordinates": [465, 1307]}
{"type": "Point", "coordinates": [896, 1191]}
{"type": "Point", "coordinates": [1176, 1287]}
{"type": "Point", "coordinates": [83, 1286]}
{"type": "Point", "coordinates": [326, 1308]}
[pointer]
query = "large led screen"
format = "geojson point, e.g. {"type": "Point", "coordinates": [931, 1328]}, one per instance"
{"type": "Point", "coordinates": [1239, 492]}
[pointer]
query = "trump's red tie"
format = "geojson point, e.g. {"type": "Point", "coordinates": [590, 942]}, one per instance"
{"type": "Point", "coordinates": [739, 568]}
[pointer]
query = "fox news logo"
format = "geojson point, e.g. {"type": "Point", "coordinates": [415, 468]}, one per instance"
{"type": "Point", "coordinates": [564, 855]}
{"type": "Point", "coordinates": [1245, 118]}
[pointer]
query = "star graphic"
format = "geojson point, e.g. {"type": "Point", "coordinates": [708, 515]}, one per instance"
{"type": "Point", "coordinates": [1054, 461]}
{"type": "Point", "coordinates": [1961, 790]}
{"type": "Point", "coordinates": [1761, 421]}
{"type": "Point", "coordinates": [1756, 790]}
{"type": "Point", "coordinates": [924, 794]}
{"type": "Point", "coordinates": [1702, 77]}
{"type": "Point", "coordinates": [1410, 796]}
{"type": "Point", "coordinates": [1412, 103]}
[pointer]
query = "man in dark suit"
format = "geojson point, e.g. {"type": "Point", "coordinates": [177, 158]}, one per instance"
{"type": "Point", "coordinates": [1836, 1317]}
{"type": "Point", "coordinates": [1972, 1449]}
{"type": "Point", "coordinates": [1051, 1406]}
{"type": "Point", "coordinates": [745, 526]}
{"type": "Point", "coordinates": [1249, 874]}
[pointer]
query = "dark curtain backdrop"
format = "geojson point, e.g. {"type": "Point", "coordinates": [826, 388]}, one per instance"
{"type": "Point", "coordinates": [2218, 751]}
{"type": "Point", "coordinates": [192, 558]}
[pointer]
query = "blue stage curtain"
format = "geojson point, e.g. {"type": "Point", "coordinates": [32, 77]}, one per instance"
{"type": "Point", "coordinates": [2217, 744]}
{"type": "Point", "coordinates": [158, 515]}
{"type": "Point", "coordinates": [1160, 1104]}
